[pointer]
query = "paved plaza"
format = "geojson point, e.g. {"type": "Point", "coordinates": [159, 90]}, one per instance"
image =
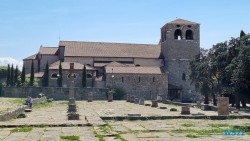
{"type": "Point", "coordinates": [49, 122]}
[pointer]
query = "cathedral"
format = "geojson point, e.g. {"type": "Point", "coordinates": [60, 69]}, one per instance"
{"type": "Point", "coordinates": [144, 70]}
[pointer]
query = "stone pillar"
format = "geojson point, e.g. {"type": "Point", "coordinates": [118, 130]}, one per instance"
{"type": "Point", "coordinates": [90, 97]}
{"type": "Point", "coordinates": [128, 98]}
{"type": "Point", "coordinates": [223, 106]}
{"type": "Point", "coordinates": [136, 100]}
{"type": "Point", "coordinates": [185, 110]}
{"type": "Point", "coordinates": [110, 96]}
{"type": "Point", "coordinates": [141, 101]}
{"type": "Point", "coordinates": [154, 103]}
{"type": "Point", "coordinates": [132, 99]}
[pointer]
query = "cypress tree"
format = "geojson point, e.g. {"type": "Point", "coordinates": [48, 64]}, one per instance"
{"type": "Point", "coordinates": [59, 79]}
{"type": "Point", "coordinates": [32, 74]}
{"type": "Point", "coordinates": [16, 76]}
{"type": "Point", "coordinates": [12, 76]}
{"type": "Point", "coordinates": [45, 81]}
{"type": "Point", "coordinates": [242, 33]}
{"type": "Point", "coordinates": [23, 75]}
{"type": "Point", "coordinates": [8, 76]}
{"type": "Point", "coordinates": [84, 79]}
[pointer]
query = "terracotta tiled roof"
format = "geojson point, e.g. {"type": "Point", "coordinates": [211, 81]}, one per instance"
{"type": "Point", "coordinates": [48, 50]}
{"type": "Point", "coordinates": [181, 21]}
{"type": "Point", "coordinates": [32, 57]}
{"type": "Point", "coordinates": [113, 64]}
{"type": "Point", "coordinates": [36, 75]}
{"type": "Point", "coordinates": [134, 70]}
{"type": "Point", "coordinates": [66, 66]}
{"type": "Point", "coordinates": [102, 49]}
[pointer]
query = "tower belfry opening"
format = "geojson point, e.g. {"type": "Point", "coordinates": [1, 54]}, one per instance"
{"type": "Point", "coordinates": [178, 34]}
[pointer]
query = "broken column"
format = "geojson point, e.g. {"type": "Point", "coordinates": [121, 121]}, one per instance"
{"type": "Point", "coordinates": [223, 106]}
{"type": "Point", "coordinates": [185, 110]}
{"type": "Point", "coordinates": [110, 96]}
{"type": "Point", "coordinates": [90, 96]}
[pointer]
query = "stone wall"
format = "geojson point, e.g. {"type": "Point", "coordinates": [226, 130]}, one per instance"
{"type": "Point", "coordinates": [53, 92]}
{"type": "Point", "coordinates": [141, 85]}
{"type": "Point", "coordinates": [10, 114]}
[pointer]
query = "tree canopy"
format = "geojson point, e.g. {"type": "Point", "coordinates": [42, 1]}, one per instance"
{"type": "Point", "coordinates": [224, 70]}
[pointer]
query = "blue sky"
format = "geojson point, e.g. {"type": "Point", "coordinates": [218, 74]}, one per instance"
{"type": "Point", "coordinates": [27, 24]}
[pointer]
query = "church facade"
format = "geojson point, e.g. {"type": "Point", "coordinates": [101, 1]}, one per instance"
{"type": "Point", "coordinates": [145, 70]}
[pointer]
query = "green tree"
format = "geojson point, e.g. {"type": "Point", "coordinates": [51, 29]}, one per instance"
{"type": "Point", "coordinates": [201, 74]}
{"type": "Point", "coordinates": [242, 33]}
{"type": "Point", "coordinates": [16, 81]}
{"type": "Point", "coordinates": [32, 74]}
{"type": "Point", "coordinates": [59, 79]}
{"type": "Point", "coordinates": [45, 81]}
{"type": "Point", "coordinates": [12, 76]}
{"type": "Point", "coordinates": [8, 76]}
{"type": "Point", "coordinates": [84, 78]}
{"type": "Point", "coordinates": [23, 75]}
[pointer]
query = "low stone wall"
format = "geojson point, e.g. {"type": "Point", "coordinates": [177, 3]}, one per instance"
{"type": "Point", "coordinates": [53, 92]}
{"type": "Point", "coordinates": [14, 113]}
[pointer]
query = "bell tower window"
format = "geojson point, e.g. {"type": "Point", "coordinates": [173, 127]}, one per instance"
{"type": "Point", "coordinates": [178, 34]}
{"type": "Point", "coordinates": [189, 35]}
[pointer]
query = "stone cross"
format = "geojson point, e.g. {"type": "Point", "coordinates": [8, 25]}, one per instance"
{"type": "Point", "coordinates": [71, 71]}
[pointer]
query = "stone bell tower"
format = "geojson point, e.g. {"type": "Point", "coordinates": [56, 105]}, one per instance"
{"type": "Point", "coordinates": [180, 42]}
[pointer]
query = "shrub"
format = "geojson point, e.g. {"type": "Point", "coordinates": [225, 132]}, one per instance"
{"type": "Point", "coordinates": [118, 93]}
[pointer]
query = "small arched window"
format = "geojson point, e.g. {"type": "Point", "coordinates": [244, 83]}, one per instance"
{"type": "Point", "coordinates": [139, 79]}
{"type": "Point", "coordinates": [153, 79]}
{"type": "Point", "coordinates": [122, 79]}
{"type": "Point", "coordinates": [178, 34]}
{"type": "Point", "coordinates": [137, 65]}
{"type": "Point", "coordinates": [189, 35]}
{"type": "Point", "coordinates": [54, 76]}
{"type": "Point", "coordinates": [89, 75]}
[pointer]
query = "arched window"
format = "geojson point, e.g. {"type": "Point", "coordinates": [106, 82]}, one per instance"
{"type": "Point", "coordinates": [153, 79]}
{"type": "Point", "coordinates": [54, 76]}
{"type": "Point", "coordinates": [89, 75]}
{"type": "Point", "coordinates": [178, 34]}
{"type": "Point", "coordinates": [137, 65]}
{"type": "Point", "coordinates": [189, 35]}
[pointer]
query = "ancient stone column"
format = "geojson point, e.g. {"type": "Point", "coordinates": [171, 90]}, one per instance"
{"type": "Point", "coordinates": [223, 106]}
{"type": "Point", "coordinates": [141, 101]}
{"type": "Point", "coordinates": [136, 100]}
{"type": "Point", "coordinates": [128, 98]}
{"type": "Point", "coordinates": [132, 99]}
{"type": "Point", "coordinates": [185, 110]}
{"type": "Point", "coordinates": [110, 96]}
{"type": "Point", "coordinates": [90, 97]}
{"type": "Point", "coordinates": [154, 103]}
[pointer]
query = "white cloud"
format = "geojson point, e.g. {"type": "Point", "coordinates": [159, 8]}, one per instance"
{"type": "Point", "coordinates": [4, 61]}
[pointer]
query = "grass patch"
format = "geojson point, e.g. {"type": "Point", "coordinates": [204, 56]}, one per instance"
{"type": "Point", "coordinates": [42, 105]}
{"type": "Point", "coordinates": [19, 101]}
{"type": "Point", "coordinates": [119, 137]}
{"type": "Point", "coordinates": [191, 136]}
{"type": "Point", "coordinates": [71, 138]}
{"type": "Point", "coordinates": [100, 137]}
{"type": "Point", "coordinates": [200, 132]}
{"type": "Point", "coordinates": [25, 129]}
{"type": "Point", "coordinates": [219, 125]}
{"type": "Point", "coordinates": [187, 125]}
